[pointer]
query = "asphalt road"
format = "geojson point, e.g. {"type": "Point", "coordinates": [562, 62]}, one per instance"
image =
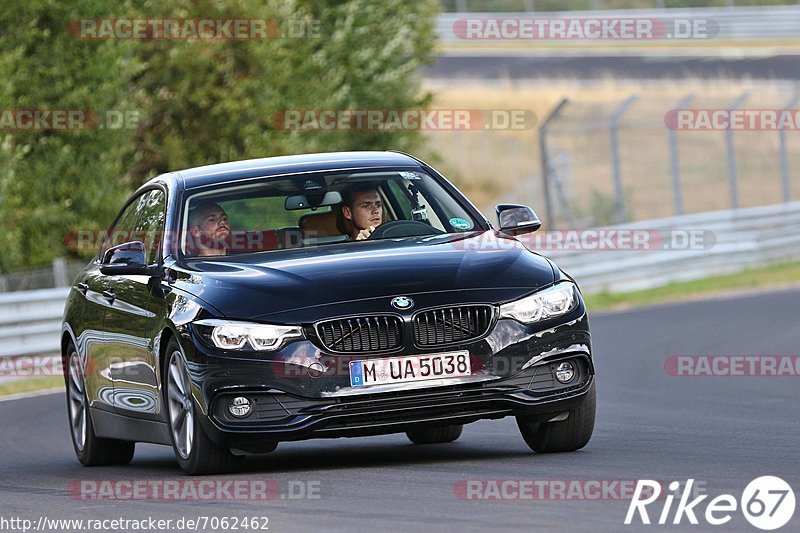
{"type": "Point", "coordinates": [596, 66]}
{"type": "Point", "coordinates": [721, 431]}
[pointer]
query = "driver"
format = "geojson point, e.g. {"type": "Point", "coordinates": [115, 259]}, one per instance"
{"type": "Point", "coordinates": [361, 211]}
{"type": "Point", "coordinates": [208, 225]}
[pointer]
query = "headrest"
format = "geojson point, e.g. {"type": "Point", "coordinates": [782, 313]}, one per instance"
{"type": "Point", "coordinates": [319, 224]}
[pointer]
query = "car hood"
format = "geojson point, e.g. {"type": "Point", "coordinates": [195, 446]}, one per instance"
{"type": "Point", "coordinates": [482, 267]}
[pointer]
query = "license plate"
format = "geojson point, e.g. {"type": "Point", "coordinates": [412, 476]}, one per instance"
{"type": "Point", "coordinates": [409, 368]}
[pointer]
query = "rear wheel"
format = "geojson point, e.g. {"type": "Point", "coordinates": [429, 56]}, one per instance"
{"type": "Point", "coordinates": [90, 450]}
{"type": "Point", "coordinates": [195, 452]}
{"type": "Point", "coordinates": [435, 435]}
{"type": "Point", "coordinates": [563, 436]}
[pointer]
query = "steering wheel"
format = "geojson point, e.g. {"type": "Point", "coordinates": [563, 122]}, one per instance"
{"type": "Point", "coordinates": [403, 228]}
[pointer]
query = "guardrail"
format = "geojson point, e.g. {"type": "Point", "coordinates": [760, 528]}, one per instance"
{"type": "Point", "coordinates": [744, 238]}
{"type": "Point", "coordinates": [739, 23]}
{"type": "Point", "coordinates": [30, 321]}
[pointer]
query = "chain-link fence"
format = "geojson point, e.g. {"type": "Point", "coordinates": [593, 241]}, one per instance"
{"type": "Point", "coordinates": [642, 156]}
{"type": "Point", "coordinates": [638, 159]}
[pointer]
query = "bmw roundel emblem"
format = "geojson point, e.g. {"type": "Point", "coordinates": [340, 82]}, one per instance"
{"type": "Point", "coordinates": [402, 302]}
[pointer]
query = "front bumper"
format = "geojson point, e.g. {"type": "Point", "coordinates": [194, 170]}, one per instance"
{"type": "Point", "coordinates": [302, 392]}
{"type": "Point", "coordinates": [281, 417]}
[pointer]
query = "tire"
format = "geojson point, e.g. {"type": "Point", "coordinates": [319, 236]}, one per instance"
{"type": "Point", "coordinates": [195, 452]}
{"type": "Point", "coordinates": [565, 436]}
{"type": "Point", "coordinates": [90, 449]}
{"type": "Point", "coordinates": [435, 435]}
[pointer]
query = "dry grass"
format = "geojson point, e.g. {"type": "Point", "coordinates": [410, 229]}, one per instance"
{"type": "Point", "coordinates": [505, 165]}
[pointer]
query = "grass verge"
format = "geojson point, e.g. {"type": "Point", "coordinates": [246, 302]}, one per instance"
{"type": "Point", "coordinates": [30, 385]}
{"type": "Point", "coordinates": [781, 274]}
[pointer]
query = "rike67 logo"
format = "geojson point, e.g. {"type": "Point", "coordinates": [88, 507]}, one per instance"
{"type": "Point", "coordinates": [767, 502]}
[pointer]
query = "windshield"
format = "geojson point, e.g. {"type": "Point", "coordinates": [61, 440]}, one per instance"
{"type": "Point", "coordinates": [318, 210]}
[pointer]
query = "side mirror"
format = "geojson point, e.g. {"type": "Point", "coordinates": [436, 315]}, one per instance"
{"type": "Point", "coordinates": [126, 258]}
{"type": "Point", "coordinates": [517, 219]}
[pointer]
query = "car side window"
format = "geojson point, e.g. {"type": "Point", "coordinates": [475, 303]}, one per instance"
{"type": "Point", "coordinates": [403, 194]}
{"type": "Point", "coordinates": [120, 232]}
{"type": "Point", "coordinates": [401, 197]}
{"type": "Point", "coordinates": [150, 222]}
{"type": "Point", "coordinates": [142, 220]}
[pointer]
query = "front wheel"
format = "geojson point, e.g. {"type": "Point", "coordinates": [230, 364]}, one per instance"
{"type": "Point", "coordinates": [564, 436]}
{"type": "Point", "coordinates": [195, 452]}
{"type": "Point", "coordinates": [90, 449]}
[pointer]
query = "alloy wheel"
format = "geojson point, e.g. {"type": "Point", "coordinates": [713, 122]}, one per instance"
{"type": "Point", "coordinates": [77, 401]}
{"type": "Point", "coordinates": [181, 408]}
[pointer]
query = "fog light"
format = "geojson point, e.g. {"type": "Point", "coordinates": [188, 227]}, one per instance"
{"type": "Point", "coordinates": [565, 372]}
{"type": "Point", "coordinates": [240, 407]}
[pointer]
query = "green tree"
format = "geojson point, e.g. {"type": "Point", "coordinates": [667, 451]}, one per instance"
{"type": "Point", "coordinates": [198, 101]}
{"type": "Point", "coordinates": [51, 180]}
{"type": "Point", "coordinates": [210, 101]}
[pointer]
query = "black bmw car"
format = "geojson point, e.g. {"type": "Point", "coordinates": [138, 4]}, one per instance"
{"type": "Point", "coordinates": [234, 306]}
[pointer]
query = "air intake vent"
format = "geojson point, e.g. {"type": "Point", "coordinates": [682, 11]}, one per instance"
{"type": "Point", "coordinates": [452, 324]}
{"type": "Point", "coordinates": [361, 334]}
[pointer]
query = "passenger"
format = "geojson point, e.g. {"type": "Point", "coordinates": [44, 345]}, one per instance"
{"type": "Point", "coordinates": [361, 211]}
{"type": "Point", "coordinates": [209, 229]}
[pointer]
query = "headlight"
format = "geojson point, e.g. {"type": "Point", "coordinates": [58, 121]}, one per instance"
{"type": "Point", "coordinates": [557, 300]}
{"type": "Point", "coordinates": [230, 335]}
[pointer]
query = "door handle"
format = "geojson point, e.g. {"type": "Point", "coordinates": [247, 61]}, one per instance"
{"type": "Point", "coordinates": [109, 295]}
{"type": "Point", "coordinates": [83, 288]}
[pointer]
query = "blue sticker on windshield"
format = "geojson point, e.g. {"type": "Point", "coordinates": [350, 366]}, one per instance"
{"type": "Point", "coordinates": [460, 223]}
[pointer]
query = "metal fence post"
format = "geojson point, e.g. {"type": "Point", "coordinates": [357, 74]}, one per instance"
{"type": "Point", "coordinates": [613, 130]}
{"type": "Point", "coordinates": [785, 182]}
{"type": "Point", "coordinates": [677, 190]}
{"type": "Point", "coordinates": [60, 272]}
{"type": "Point", "coordinates": [548, 208]}
{"type": "Point", "coordinates": [731, 151]}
